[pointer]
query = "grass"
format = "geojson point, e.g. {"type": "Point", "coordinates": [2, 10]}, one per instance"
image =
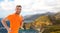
{"type": "Point", "coordinates": [52, 29]}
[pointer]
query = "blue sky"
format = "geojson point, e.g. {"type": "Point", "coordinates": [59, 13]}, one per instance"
{"type": "Point", "coordinates": [1, 0]}
{"type": "Point", "coordinates": [29, 6]}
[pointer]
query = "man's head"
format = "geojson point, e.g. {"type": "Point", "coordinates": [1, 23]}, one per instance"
{"type": "Point", "coordinates": [18, 9]}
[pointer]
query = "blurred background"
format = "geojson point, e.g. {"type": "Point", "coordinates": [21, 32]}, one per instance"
{"type": "Point", "coordinates": [39, 15]}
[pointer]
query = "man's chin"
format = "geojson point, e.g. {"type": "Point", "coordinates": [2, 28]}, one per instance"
{"type": "Point", "coordinates": [18, 13]}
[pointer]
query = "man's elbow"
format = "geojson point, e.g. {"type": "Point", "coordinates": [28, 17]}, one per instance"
{"type": "Point", "coordinates": [2, 20]}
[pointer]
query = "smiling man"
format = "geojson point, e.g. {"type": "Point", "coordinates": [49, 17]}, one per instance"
{"type": "Point", "coordinates": [16, 20]}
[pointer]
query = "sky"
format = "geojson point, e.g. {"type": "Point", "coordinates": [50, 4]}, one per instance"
{"type": "Point", "coordinates": [29, 6]}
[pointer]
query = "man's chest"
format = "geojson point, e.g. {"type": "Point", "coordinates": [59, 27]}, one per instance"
{"type": "Point", "coordinates": [15, 19]}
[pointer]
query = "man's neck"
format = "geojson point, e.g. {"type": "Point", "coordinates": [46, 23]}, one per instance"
{"type": "Point", "coordinates": [17, 13]}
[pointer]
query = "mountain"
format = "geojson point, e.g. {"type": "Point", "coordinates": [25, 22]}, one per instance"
{"type": "Point", "coordinates": [31, 18]}
{"type": "Point", "coordinates": [0, 22]}
{"type": "Point", "coordinates": [57, 15]}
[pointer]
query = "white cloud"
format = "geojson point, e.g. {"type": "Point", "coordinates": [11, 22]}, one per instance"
{"type": "Point", "coordinates": [51, 2]}
{"type": "Point", "coordinates": [31, 6]}
{"type": "Point", "coordinates": [7, 5]}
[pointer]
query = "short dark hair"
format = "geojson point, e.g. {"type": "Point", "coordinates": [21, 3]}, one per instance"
{"type": "Point", "coordinates": [18, 6]}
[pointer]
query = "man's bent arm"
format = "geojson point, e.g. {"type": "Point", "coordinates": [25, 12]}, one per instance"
{"type": "Point", "coordinates": [4, 23]}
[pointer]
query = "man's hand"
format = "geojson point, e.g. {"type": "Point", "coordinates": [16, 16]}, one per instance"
{"type": "Point", "coordinates": [22, 28]}
{"type": "Point", "coordinates": [9, 29]}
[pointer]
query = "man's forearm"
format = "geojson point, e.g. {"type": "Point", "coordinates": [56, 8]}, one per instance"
{"type": "Point", "coordinates": [22, 26]}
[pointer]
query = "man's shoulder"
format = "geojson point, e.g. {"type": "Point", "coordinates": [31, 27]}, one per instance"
{"type": "Point", "coordinates": [20, 15]}
{"type": "Point", "coordinates": [10, 14]}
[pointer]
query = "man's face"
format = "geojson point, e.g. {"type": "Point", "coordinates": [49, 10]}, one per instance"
{"type": "Point", "coordinates": [18, 10]}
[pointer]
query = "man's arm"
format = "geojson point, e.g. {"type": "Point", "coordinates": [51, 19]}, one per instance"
{"type": "Point", "coordinates": [22, 24]}
{"type": "Point", "coordinates": [4, 23]}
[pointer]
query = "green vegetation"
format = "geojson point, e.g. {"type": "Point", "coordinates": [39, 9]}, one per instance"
{"type": "Point", "coordinates": [52, 29]}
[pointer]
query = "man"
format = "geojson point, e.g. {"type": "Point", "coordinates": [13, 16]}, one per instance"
{"type": "Point", "coordinates": [15, 21]}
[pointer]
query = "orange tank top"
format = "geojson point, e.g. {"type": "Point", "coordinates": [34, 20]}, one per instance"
{"type": "Point", "coordinates": [15, 21]}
